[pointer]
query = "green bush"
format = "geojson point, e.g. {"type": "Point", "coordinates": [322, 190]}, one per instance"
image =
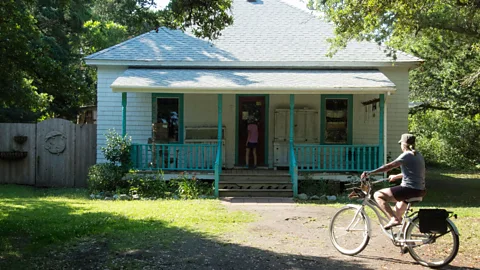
{"type": "Point", "coordinates": [153, 185]}
{"type": "Point", "coordinates": [108, 178]}
{"type": "Point", "coordinates": [105, 177]}
{"type": "Point", "coordinates": [320, 187]}
{"type": "Point", "coordinates": [148, 185]}
{"type": "Point", "coordinates": [447, 140]}
{"type": "Point", "coordinates": [117, 150]}
{"type": "Point", "coordinates": [190, 187]}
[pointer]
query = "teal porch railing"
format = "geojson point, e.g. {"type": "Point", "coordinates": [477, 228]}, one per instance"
{"type": "Point", "coordinates": [337, 158]}
{"type": "Point", "coordinates": [174, 157]}
{"type": "Point", "coordinates": [293, 171]}
{"type": "Point", "coordinates": [218, 170]}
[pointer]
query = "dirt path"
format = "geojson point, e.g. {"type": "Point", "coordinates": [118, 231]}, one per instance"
{"type": "Point", "coordinates": [285, 236]}
{"type": "Point", "coordinates": [299, 235]}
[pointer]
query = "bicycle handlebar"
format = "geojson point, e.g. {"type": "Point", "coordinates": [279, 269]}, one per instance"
{"type": "Point", "coordinates": [371, 182]}
{"type": "Point", "coordinates": [380, 180]}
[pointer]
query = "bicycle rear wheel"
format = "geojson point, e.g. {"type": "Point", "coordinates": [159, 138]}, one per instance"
{"type": "Point", "coordinates": [349, 231]}
{"type": "Point", "coordinates": [435, 250]}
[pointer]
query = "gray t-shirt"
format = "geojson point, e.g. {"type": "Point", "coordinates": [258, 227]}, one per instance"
{"type": "Point", "coordinates": [413, 170]}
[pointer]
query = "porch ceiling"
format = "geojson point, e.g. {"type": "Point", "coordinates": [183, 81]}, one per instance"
{"type": "Point", "coordinates": [252, 81]}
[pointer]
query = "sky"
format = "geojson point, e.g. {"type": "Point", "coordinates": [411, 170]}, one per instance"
{"type": "Point", "coordinates": [297, 3]}
{"type": "Point", "coordinates": [161, 4]}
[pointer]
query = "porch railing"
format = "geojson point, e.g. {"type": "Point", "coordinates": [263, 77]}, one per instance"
{"type": "Point", "coordinates": [293, 171]}
{"type": "Point", "coordinates": [218, 170]}
{"type": "Point", "coordinates": [174, 157]}
{"type": "Point", "coordinates": [337, 157]}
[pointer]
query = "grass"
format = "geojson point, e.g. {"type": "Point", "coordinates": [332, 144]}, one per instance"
{"type": "Point", "coordinates": [34, 221]}
{"type": "Point", "coordinates": [38, 226]}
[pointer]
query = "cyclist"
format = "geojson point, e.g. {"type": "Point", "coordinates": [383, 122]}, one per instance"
{"type": "Point", "coordinates": [412, 165]}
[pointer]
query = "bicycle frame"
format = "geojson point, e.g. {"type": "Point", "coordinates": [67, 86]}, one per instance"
{"type": "Point", "coordinates": [382, 218]}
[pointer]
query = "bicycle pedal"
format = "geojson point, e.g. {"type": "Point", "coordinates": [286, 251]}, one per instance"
{"type": "Point", "coordinates": [403, 250]}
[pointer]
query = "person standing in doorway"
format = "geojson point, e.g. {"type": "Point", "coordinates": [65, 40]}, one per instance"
{"type": "Point", "coordinates": [252, 141]}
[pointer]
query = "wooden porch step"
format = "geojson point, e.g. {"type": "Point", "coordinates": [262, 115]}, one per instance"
{"type": "Point", "coordinates": [256, 192]}
{"type": "Point", "coordinates": [259, 186]}
{"type": "Point", "coordinates": [262, 178]}
{"type": "Point", "coordinates": [262, 181]}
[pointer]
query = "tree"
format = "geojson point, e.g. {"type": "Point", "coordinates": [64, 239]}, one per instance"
{"type": "Point", "coordinates": [42, 43]}
{"type": "Point", "coordinates": [446, 34]}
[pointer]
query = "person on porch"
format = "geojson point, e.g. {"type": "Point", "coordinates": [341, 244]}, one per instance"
{"type": "Point", "coordinates": [252, 141]}
{"type": "Point", "coordinates": [412, 166]}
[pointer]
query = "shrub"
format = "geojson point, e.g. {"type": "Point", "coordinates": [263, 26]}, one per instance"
{"type": "Point", "coordinates": [117, 150]}
{"type": "Point", "coordinates": [190, 187]}
{"type": "Point", "coordinates": [151, 185]}
{"type": "Point", "coordinates": [154, 185]}
{"type": "Point", "coordinates": [105, 177]}
{"type": "Point", "coordinates": [446, 140]}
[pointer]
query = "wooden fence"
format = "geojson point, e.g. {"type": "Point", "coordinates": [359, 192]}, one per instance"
{"type": "Point", "coordinates": [52, 153]}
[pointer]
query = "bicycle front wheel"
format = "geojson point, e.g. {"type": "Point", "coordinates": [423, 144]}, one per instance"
{"type": "Point", "coordinates": [349, 230]}
{"type": "Point", "coordinates": [432, 250]}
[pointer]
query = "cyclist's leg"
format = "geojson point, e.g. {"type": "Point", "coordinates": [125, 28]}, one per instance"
{"type": "Point", "coordinates": [402, 194]}
{"type": "Point", "coordinates": [383, 197]}
{"type": "Point", "coordinates": [400, 208]}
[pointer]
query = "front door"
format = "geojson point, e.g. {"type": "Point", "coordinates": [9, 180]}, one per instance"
{"type": "Point", "coordinates": [251, 107]}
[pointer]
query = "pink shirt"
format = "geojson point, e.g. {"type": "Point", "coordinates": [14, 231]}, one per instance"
{"type": "Point", "coordinates": [253, 130]}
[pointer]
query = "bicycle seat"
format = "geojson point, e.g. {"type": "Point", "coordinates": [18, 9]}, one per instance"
{"type": "Point", "coordinates": [414, 200]}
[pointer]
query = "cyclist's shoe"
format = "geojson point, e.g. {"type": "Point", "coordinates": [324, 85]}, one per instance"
{"type": "Point", "coordinates": [391, 224]}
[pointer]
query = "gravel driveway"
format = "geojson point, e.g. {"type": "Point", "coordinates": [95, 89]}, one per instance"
{"type": "Point", "coordinates": [293, 236]}
{"type": "Point", "coordinates": [285, 236]}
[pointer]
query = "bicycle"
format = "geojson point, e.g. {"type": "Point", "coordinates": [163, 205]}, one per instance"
{"type": "Point", "coordinates": [426, 246]}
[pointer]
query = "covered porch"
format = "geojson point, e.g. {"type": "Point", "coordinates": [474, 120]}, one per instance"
{"type": "Point", "coordinates": [297, 154]}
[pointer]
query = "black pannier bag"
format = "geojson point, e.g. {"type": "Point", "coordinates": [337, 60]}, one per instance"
{"type": "Point", "coordinates": [433, 220]}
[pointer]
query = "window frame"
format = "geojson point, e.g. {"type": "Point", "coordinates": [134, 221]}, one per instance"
{"type": "Point", "coordinates": [181, 129]}
{"type": "Point", "coordinates": [323, 105]}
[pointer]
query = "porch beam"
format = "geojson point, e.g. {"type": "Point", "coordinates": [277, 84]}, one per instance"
{"type": "Point", "coordinates": [381, 132]}
{"type": "Point", "coordinates": [124, 114]}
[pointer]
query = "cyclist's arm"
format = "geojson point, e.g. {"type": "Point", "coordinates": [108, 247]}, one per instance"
{"type": "Point", "coordinates": [385, 168]}
{"type": "Point", "coordinates": [392, 178]}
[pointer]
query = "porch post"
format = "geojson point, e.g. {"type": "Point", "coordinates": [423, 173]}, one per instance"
{"type": "Point", "coordinates": [381, 131]}
{"type": "Point", "coordinates": [124, 114]}
{"type": "Point", "coordinates": [220, 105]}
{"type": "Point", "coordinates": [292, 115]}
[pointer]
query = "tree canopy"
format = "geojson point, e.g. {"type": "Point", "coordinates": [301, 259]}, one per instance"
{"type": "Point", "coordinates": [445, 33]}
{"type": "Point", "coordinates": [42, 43]}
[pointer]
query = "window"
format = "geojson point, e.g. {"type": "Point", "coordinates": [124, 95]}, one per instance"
{"type": "Point", "coordinates": [336, 119]}
{"type": "Point", "coordinates": [167, 110]}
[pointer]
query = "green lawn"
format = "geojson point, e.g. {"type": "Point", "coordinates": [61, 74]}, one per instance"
{"type": "Point", "coordinates": [36, 224]}
{"type": "Point", "coordinates": [34, 221]}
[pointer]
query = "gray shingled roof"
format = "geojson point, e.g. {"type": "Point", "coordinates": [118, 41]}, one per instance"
{"type": "Point", "coordinates": [266, 31]}
{"type": "Point", "coordinates": [241, 80]}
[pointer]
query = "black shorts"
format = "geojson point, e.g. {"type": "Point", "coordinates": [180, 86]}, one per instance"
{"type": "Point", "coordinates": [403, 193]}
{"type": "Point", "coordinates": [252, 145]}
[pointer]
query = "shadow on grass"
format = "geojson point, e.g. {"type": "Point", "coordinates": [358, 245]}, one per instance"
{"type": "Point", "coordinates": [53, 234]}
{"type": "Point", "coordinates": [449, 191]}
